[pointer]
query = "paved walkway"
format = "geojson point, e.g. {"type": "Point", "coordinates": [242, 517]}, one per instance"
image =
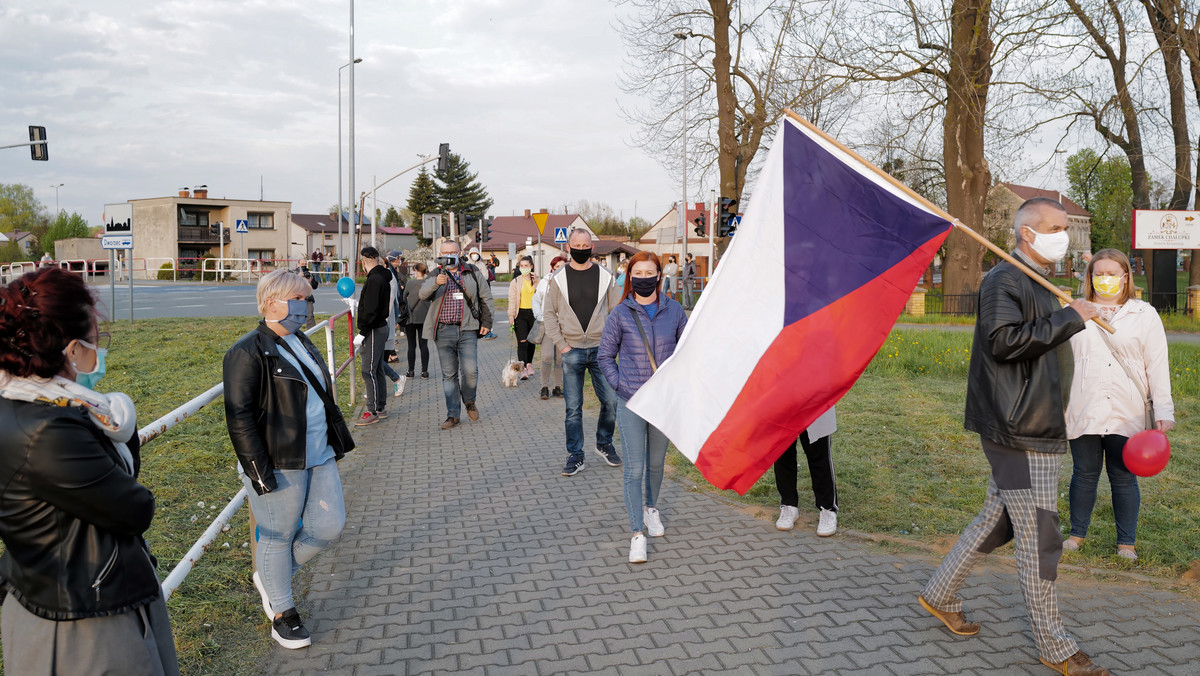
{"type": "Point", "coordinates": [466, 552]}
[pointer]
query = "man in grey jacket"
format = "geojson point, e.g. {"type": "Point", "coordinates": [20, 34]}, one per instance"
{"type": "Point", "coordinates": [689, 273]}
{"type": "Point", "coordinates": [460, 311]}
{"type": "Point", "coordinates": [578, 302]}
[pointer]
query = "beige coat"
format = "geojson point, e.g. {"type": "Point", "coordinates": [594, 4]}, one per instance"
{"type": "Point", "coordinates": [562, 326]}
{"type": "Point", "coordinates": [514, 295]}
{"type": "Point", "coordinates": [1103, 399]}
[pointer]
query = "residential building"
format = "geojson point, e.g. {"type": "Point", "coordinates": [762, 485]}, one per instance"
{"type": "Point", "coordinates": [23, 239]}
{"type": "Point", "coordinates": [522, 231]}
{"type": "Point", "coordinates": [188, 227]}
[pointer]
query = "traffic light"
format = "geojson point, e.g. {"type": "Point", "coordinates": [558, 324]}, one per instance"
{"type": "Point", "coordinates": [38, 151]}
{"type": "Point", "coordinates": [443, 157]}
{"type": "Point", "coordinates": [485, 234]}
{"type": "Point", "coordinates": [700, 222]}
{"type": "Point", "coordinates": [725, 223]}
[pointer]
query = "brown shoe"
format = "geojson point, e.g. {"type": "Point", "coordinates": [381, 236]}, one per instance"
{"type": "Point", "coordinates": [450, 422]}
{"type": "Point", "coordinates": [956, 622]}
{"type": "Point", "coordinates": [1079, 663]}
{"type": "Point", "coordinates": [472, 412]}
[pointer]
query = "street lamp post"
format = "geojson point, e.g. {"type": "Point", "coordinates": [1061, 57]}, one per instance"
{"type": "Point", "coordinates": [352, 62]}
{"type": "Point", "coordinates": [341, 240]}
{"type": "Point", "coordinates": [56, 187]}
{"type": "Point", "coordinates": [681, 226]}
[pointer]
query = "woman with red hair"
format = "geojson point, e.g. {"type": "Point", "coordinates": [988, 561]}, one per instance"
{"type": "Point", "coordinates": [640, 334]}
{"type": "Point", "coordinates": [79, 585]}
{"type": "Point", "coordinates": [551, 356]}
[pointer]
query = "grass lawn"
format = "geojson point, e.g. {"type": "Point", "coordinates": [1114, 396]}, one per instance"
{"type": "Point", "coordinates": [218, 622]}
{"type": "Point", "coordinates": [907, 468]}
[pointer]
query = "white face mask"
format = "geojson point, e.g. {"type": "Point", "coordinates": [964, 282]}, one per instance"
{"type": "Point", "coordinates": [526, 270]}
{"type": "Point", "coordinates": [1051, 246]}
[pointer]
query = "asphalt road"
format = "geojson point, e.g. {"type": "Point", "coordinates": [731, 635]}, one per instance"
{"type": "Point", "coordinates": [158, 301]}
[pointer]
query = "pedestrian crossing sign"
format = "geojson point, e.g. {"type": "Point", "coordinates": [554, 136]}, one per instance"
{"type": "Point", "coordinates": [560, 235]}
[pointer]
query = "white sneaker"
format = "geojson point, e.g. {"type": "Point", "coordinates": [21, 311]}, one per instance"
{"type": "Point", "coordinates": [400, 386]}
{"type": "Point", "coordinates": [262, 593]}
{"type": "Point", "coordinates": [787, 517]}
{"type": "Point", "coordinates": [828, 523]}
{"type": "Point", "coordinates": [637, 549]}
{"type": "Point", "coordinates": [654, 526]}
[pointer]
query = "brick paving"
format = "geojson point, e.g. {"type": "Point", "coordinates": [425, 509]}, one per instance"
{"type": "Point", "coordinates": [466, 552]}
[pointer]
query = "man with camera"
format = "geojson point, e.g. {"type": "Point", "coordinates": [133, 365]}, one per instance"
{"type": "Point", "coordinates": [460, 311]}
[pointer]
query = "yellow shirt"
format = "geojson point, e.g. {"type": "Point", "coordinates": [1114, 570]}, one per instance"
{"type": "Point", "coordinates": [527, 290]}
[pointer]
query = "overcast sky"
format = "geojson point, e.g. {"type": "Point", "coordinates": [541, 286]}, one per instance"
{"type": "Point", "coordinates": [140, 99]}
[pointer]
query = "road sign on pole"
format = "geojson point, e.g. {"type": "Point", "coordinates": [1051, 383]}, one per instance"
{"type": "Point", "coordinates": [243, 225]}
{"type": "Point", "coordinates": [540, 220]}
{"type": "Point", "coordinates": [560, 235]}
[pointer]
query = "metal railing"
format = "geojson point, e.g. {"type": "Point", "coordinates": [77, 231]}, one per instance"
{"type": "Point", "coordinates": [160, 426]}
{"type": "Point", "coordinates": [954, 305]}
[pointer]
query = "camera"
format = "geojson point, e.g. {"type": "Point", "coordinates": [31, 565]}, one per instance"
{"type": "Point", "coordinates": [448, 261]}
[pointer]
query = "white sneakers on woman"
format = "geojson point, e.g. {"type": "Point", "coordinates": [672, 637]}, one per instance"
{"type": "Point", "coordinates": [826, 526]}
{"type": "Point", "coordinates": [653, 520]}
{"type": "Point", "coordinates": [637, 549]}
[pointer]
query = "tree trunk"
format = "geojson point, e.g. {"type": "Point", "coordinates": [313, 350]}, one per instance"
{"type": "Point", "coordinates": [967, 176]}
{"type": "Point", "coordinates": [727, 144]}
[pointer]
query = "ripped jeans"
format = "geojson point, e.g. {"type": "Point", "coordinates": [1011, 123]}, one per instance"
{"type": "Point", "coordinates": [304, 515]}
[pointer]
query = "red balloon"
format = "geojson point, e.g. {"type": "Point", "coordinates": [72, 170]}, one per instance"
{"type": "Point", "coordinates": [1146, 453]}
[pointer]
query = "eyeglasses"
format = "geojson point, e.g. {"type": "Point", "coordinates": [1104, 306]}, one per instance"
{"type": "Point", "coordinates": [103, 339]}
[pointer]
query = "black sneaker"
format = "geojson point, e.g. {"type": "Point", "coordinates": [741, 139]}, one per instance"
{"type": "Point", "coordinates": [609, 454]}
{"type": "Point", "coordinates": [409, 374]}
{"type": "Point", "coordinates": [425, 375]}
{"type": "Point", "coordinates": [545, 393]}
{"type": "Point", "coordinates": [289, 632]}
{"type": "Point", "coordinates": [557, 392]}
{"type": "Point", "coordinates": [574, 466]}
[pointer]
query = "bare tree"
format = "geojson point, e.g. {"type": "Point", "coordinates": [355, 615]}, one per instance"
{"type": "Point", "coordinates": [937, 59]}
{"type": "Point", "coordinates": [746, 70]}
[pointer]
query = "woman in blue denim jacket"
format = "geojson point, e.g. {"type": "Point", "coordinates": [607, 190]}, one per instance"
{"type": "Point", "coordinates": [626, 362]}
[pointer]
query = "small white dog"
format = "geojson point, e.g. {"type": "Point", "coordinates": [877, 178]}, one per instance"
{"type": "Point", "coordinates": [511, 374]}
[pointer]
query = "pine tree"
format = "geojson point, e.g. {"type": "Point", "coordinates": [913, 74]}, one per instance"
{"type": "Point", "coordinates": [423, 198]}
{"type": "Point", "coordinates": [392, 218]}
{"type": "Point", "coordinates": [460, 191]}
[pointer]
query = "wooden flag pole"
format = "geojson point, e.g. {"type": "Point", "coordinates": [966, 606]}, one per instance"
{"type": "Point", "coordinates": [1065, 297]}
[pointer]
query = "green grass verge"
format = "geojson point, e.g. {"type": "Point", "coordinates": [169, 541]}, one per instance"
{"type": "Point", "coordinates": [216, 617]}
{"type": "Point", "coordinates": [907, 468]}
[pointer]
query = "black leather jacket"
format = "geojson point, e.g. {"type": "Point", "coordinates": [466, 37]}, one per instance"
{"type": "Point", "coordinates": [265, 407]}
{"type": "Point", "coordinates": [1021, 363]}
{"type": "Point", "coordinates": [71, 517]}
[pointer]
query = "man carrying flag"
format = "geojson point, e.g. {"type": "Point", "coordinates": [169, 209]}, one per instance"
{"type": "Point", "coordinates": [1020, 371]}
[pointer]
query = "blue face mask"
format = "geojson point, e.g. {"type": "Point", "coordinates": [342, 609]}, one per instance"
{"type": "Point", "coordinates": [92, 378]}
{"type": "Point", "coordinates": [297, 315]}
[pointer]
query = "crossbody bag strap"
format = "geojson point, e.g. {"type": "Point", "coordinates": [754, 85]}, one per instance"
{"type": "Point", "coordinates": [645, 341]}
{"type": "Point", "coordinates": [466, 297]}
{"type": "Point", "coordinates": [319, 383]}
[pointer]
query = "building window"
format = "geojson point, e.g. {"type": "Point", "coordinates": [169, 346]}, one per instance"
{"type": "Point", "coordinates": [262, 221]}
{"type": "Point", "coordinates": [194, 218]}
{"type": "Point", "coordinates": [262, 254]}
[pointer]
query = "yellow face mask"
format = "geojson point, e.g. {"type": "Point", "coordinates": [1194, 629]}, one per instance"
{"type": "Point", "coordinates": [1107, 286]}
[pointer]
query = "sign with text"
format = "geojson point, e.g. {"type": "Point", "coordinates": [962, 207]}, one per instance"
{"type": "Point", "coordinates": [1166, 229]}
{"type": "Point", "coordinates": [116, 242]}
{"type": "Point", "coordinates": [118, 220]}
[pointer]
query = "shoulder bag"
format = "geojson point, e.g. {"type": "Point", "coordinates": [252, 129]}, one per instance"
{"type": "Point", "coordinates": [1146, 400]}
{"type": "Point", "coordinates": [645, 341]}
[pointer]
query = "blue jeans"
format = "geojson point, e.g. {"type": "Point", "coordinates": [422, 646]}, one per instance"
{"type": "Point", "coordinates": [645, 451]}
{"type": "Point", "coordinates": [390, 372]}
{"type": "Point", "coordinates": [457, 350]}
{"type": "Point", "coordinates": [1088, 453]}
{"type": "Point", "coordinates": [312, 496]}
{"type": "Point", "coordinates": [574, 364]}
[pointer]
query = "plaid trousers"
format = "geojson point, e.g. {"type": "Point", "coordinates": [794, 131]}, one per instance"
{"type": "Point", "coordinates": [1021, 504]}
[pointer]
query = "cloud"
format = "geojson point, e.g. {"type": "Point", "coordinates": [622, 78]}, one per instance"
{"type": "Point", "coordinates": [142, 98]}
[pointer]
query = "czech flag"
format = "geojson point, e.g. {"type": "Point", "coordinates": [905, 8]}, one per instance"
{"type": "Point", "coordinates": [826, 256]}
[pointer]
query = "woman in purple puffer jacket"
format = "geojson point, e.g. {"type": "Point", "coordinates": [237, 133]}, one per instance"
{"type": "Point", "coordinates": [628, 355]}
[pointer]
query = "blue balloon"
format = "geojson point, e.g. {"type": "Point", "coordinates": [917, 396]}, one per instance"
{"type": "Point", "coordinates": [345, 287]}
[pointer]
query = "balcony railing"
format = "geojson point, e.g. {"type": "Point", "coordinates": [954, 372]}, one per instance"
{"type": "Point", "coordinates": [200, 234]}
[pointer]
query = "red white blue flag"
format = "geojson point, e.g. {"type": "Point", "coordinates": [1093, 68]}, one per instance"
{"type": "Point", "coordinates": [826, 256]}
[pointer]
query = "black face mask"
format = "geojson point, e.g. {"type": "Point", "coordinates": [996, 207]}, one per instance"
{"type": "Point", "coordinates": [581, 256]}
{"type": "Point", "coordinates": [644, 286]}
